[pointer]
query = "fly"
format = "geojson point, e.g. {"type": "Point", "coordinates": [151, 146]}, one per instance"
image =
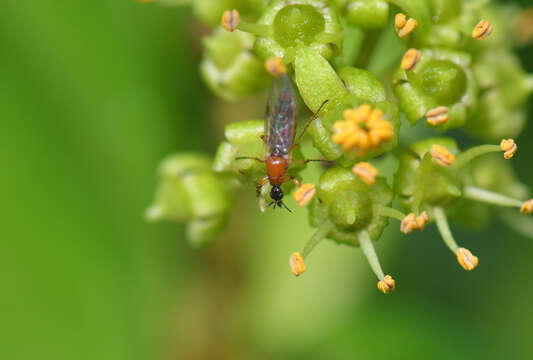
{"type": "Point", "coordinates": [279, 139]}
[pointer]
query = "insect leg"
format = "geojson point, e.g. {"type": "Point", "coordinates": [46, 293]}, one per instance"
{"type": "Point", "coordinates": [260, 185]}
{"type": "Point", "coordinates": [315, 115]}
{"type": "Point", "coordinates": [249, 158]}
{"type": "Point", "coordinates": [303, 162]}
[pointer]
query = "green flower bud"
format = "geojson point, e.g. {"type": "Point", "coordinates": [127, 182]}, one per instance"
{"type": "Point", "coordinates": [365, 14]}
{"type": "Point", "coordinates": [440, 78]}
{"type": "Point", "coordinates": [189, 191]}
{"type": "Point", "coordinates": [504, 91]}
{"type": "Point", "coordinates": [350, 205]}
{"type": "Point", "coordinates": [229, 68]}
{"type": "Point", "coordinates": [286, 24]}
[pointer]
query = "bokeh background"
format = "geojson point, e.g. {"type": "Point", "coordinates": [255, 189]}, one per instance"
{"type": "Point", "coordinates": [92, 95]}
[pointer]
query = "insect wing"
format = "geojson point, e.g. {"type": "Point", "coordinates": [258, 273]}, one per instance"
{"type": "Point", "coordinates": [280, 122]}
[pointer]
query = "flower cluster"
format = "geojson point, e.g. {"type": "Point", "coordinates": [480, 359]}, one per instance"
{"type": "Point", "coordinates": [363, 69]}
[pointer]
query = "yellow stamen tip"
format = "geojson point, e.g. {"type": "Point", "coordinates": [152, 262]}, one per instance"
{"type": "Point", "coordinates": [437, 116]}
{"type": "Point", "coordinates": [465, 258]}
{"type": "Point", "coordinates": [509, 148]}
{"type": "Point", "coordinates": [230, 20]}
{"type": "Point", "coordinates": [441, 155]}
{"type": "Point", "coordinates": [366, 172]}
{"type": "Point", "coordinates": [412, 222]}
{"type": "Point", "coordinates": [363, 129]}
{"type": "Point", "coordinates": [304, 194]}
{"type": "Point", "coordinates": [387, 285]}
{"type": "Point", "coordinates": [527, 207]}
{"type": "Point", "coordinates": [410, 59]}
{"type": "Point", "coordinates": [482, 30]}
{"type": "Point", "coordinates": [403, 26]}
{"type": "Point", "coordinates": [297, 264]}
{"type": "Point", "coordinates": [275, 66]}
{"type": "Point", "coordinates": [422, 220]}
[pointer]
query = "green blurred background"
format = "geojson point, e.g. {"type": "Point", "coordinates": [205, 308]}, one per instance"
{"type": "Point", "coordinates": [92, 95]}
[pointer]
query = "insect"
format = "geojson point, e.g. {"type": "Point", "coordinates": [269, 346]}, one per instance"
{"type": "Point", "coordinates": [279, 139]}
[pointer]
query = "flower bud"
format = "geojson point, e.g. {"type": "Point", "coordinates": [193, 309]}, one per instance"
{"type": "Point", "coordinates": [229, 68]}
{"type": "Point", "coordinates": [365, 14]}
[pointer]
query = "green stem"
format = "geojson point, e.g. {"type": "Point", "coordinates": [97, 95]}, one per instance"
{"type": "Point", "coordinates": [444, 229]}
{"type": "Point", "coordinates": [472, 153]}
{"type": "Point", "coordinates": [390, 212]}
{"type": "Point", "coordinates": [425, 167]}
{"type": "Point", "coordinates": [370, 253]}
{"type": "Point", "coordinates": [320, 234]}
{"type": "Point", "coordinates": [489, 197]}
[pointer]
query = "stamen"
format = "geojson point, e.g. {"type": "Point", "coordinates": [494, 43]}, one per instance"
{"type": "Point", "coordinates": [304, 194]}
{"type": "Point", "coordinates": [386, 283]}
{"type": "Point", "coordinates": [366, 172]}
{"type": "Point", "coordinates": [467, 156]}
{"type": "Point", "coordinates": [403, 26]}
{"type": "Point", "coordinates": [412, 222]}
{"type": "Point", "coordinates": [482, 30]}
{"type": "Point", "coordinates": [486, 196]}
{"type": "Point", "coordinates": [441, 155]}
{"type": "Point", "coordinates": [230, 20]}
{"type": "Point", "coordinates": [390, 212]}
{"type": "Point", "coordinates": [437, 116]}
{"type": "Point", "coordinates": [465, 258]}
{"type": "Point", "coordinates": [297, 264]}
{"type": "Point", "coordinates": [410, 59]}
{"type": "Point", "coordinates": [275, 67]}
{"type": "Point", "coordinates": [527, 207]}
{"type": "Point", "coordinates": [510, 148]}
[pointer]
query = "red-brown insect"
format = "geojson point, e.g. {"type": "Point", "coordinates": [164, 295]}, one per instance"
{"type": "Point", "coordinates": [280, 132]}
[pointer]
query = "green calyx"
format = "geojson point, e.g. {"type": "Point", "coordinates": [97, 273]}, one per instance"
{"type": "Point", "coordinates": [348, 206]}
{"type": "Point", "coordinates": [229, 67]}
{"type": "Point", "coordinates": [440, 78]}
{"type": "Point", "coordinates": [364, 14]}
{"type": "Point", "coordinates": [188, 191]}
{"type": "Point", "coordinates": [293, 23]}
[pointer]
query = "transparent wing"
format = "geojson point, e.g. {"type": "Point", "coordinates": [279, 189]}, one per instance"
{"type": "Point", "coordinates": [280, 121]}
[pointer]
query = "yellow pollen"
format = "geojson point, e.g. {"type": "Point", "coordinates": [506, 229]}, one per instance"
{"type": "Point", "coordinates": [366, 172]}
{"type": "Point", "coordinates": [297, 264]}
{"type": "Point", "coordinates": [275, 66]}
{"type": "Point", "coordinates": [437, 116]}
{"type": "Point", "coordinates": [482, 30]}
{"type": "Point", "coordinates": [387, 285]}
{"type": "Point", "coordinates": [362, 129]}
{"type": "Point", "coordinates": [410, 59]}
{"type": "Point", "coordinates": [403, 26]}
{"type": "Point", "coordinates": [304, 194]}
{"type": "Point", "coordinates": [441, 155]}
{"type": "Point", "coordinates": [509, 147]}
{"type": "Point", "coordinates": [230, 20]}
{"type": "Point", "coordinates": [465, 258]}
{"type": "Point", "coordinates": [527, 207]}
{"type": "Point", "coordinates": [412, 222]}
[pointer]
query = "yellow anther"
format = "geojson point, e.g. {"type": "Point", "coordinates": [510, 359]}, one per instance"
{"type": "Point", "coordinates": [527, 207]}
{"type": "Point", "coordinates": [441, 155]}
{"type": "Point", "coordinates": [304, 194]}
{"type": "Point", "coordinates": [509, 147]}
{"type": "Point", "coordinates": [410, 59]}
{"type": "Point", "coordinates": [437, 116]}
{"type": "Point", "coordinates": [297, 264]}
{"type": "Point", "coordinates": [482, 30]}
{"type": "Point", "coordinates": [363, 129]}
{"type": "Point", "coordinates": [366, 172]}
{"type": "Point", "coordinates": [465, 258]}
{"type": "Point", "coordinates": [275, 66]}
{"type": "Point", "coordinates": [403, 26]}
{"type": "Point", "coordinates": [412, 222]}
{"type": "Point", "coordinates": [387, 285]}
{"type": "Point", "coordinates": [230, 20]}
